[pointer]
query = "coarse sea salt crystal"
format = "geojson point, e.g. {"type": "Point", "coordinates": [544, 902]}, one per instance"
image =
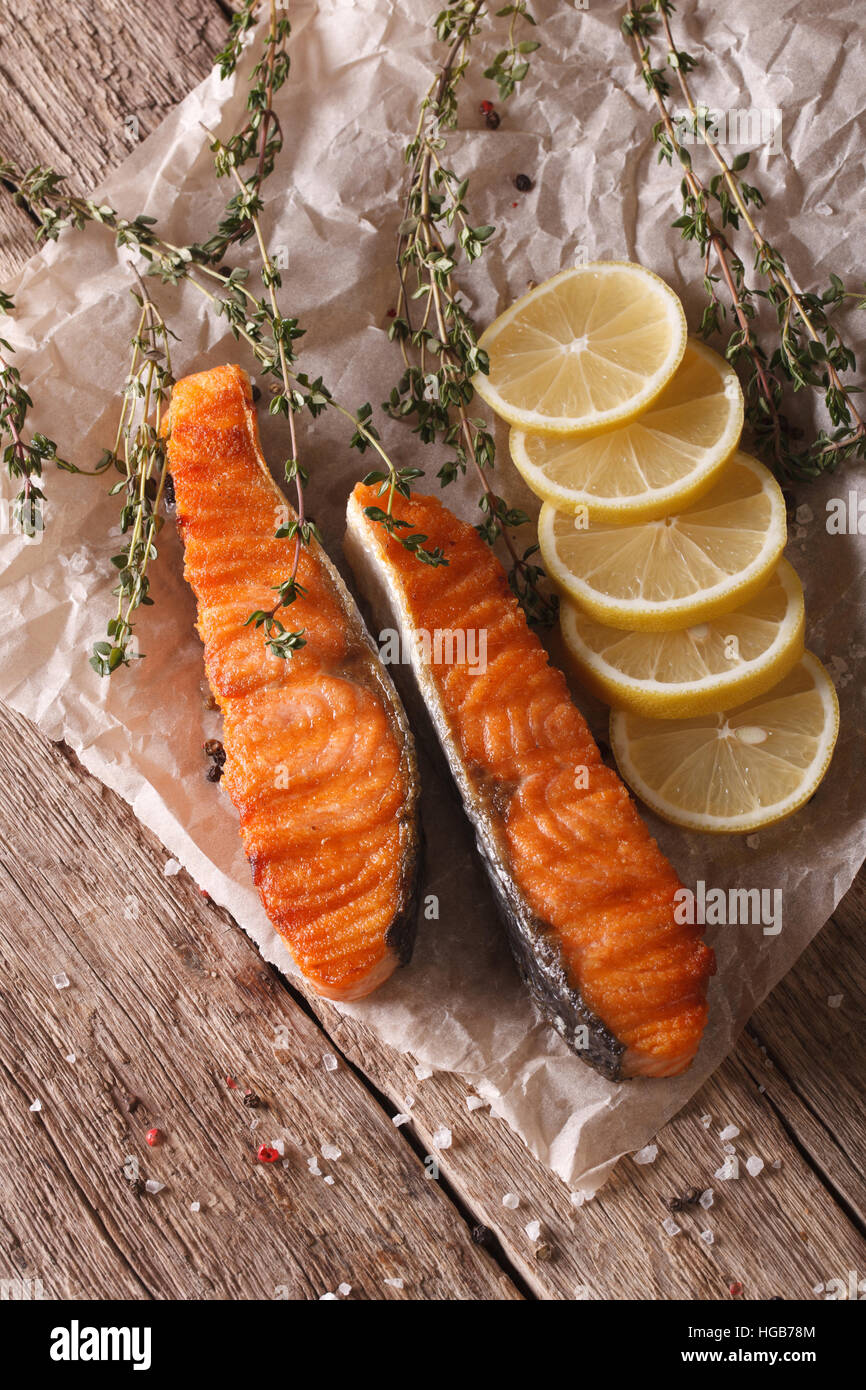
{"type": "Point", "coordinates": [753, 841]}
{"type": "Point", "coordinates": [394, 1283]}
{"type": "Point", "coordinates": [647, 1154]}
{"type": "Point", "coordinates": [754, 1165]}
{"type": "Point", "coordinates": [344, 1290]}
{"type": "Point", "coordinates": [280, 1146]}
{"type": "Point", "coordinates": [195, 1206]}
{"type": "Point", "coordinates": [511, 1201]}
{"type": "Point", "coordinates": [60, 980]}
{"type": "Point", "coordinates": [400, 1119]}
{"type": "Point", "coordinates": [328, 1298]}
{"type": "Point", "coordinates": [329, 1180]}
{"type": "Point", "coordinates": [834, 1000]}
{"type": "Point", "coordinates": [777, 1163]}
{"type": "Point", "coordinates": [533, 1229]}
{"type": "Point", "coordinates": [330, 1151]}
{"type": "Point", "coordinates": [729, 1169]}
{"type": "Point", "coordinates": [408, 1102]}
{"type": "Point", "coordinates": [728, 1149]}
{"type": "Point", "coordinates": [729, 1132]}
{"type": "Point", "coordinates": [36, 1106]}
{"type": "Point", "coordinates": [423, 1072]}
{"type": "Point", "coordinates": [171, 867]}
{"type": "Point", "coordinates": [706, 1121]}
{"type": "Point", "coordinates": [329, 1061]}
{"type": "Point", "coordinates": [71, 1057]}
{"type": "Point", "coordinates": [313, 1165]}
{"type": "Point", "coordinates": [707, 1237]}
{"type": "Point", "coordinates": [817, 1288]}
{"type": "Point", "coordinates": [474, 1103]}
{"type": "Point", "coordinates": [671, 1226]}
{"type": "Point", "coordinates": [804, 514]}
{"type": "Point", "coordinates": [706, 1199]}
{"type": "Point", "coordinates": [442, 1138]}
{"type": "Point", "coordinates": [153, 1186]}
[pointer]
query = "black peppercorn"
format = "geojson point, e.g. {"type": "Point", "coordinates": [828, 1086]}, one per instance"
{"type": "Point", "coordinates": [214, 772]}
{"type": "Point", "coordinates": [491, 120]}
{"type": "Point", "coordinates": [214, 749]}
{"type": "Point", "coordinates": [168, 491]}
{"type": "Point", "coordinates": [252, 1101]}
{"type": "Point", "coordinates": [482, 1235]}
{"type": "Point", "coordinates": [523, 183]}
{"type": "Point", "coordinates": [257, 393]}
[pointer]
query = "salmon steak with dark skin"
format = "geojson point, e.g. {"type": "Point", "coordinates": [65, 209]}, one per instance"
{"type": "Point", "coordinates": [320, 761]}
{"type": "Point", "coordinates": [585, 892]}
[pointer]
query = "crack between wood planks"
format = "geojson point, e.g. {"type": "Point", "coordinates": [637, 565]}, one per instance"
{"type": "Point", "coordinates": [805, 1153]}
{"type": "Point", "coordinates": [92, 1211]}
{"type": "Point", "coordinates": [492, 1246]}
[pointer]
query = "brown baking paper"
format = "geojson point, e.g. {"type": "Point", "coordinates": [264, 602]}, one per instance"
{"type": "Point", "coordinates": [579, 128]}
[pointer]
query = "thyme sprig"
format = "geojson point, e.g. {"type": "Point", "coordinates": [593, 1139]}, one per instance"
{"type": "Point", "coordinates": [24, 452]}
{"type": "Point", "coordinates": [810, 351]}
{"type": "Point", "coordinates": [139, 453]}
{"type": "Point", "coordinates": [437, 339]}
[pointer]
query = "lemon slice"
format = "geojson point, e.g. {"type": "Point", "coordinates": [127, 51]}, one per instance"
{"type": "Point", "coordinates": [737, 771]}
{"type": "Point", "coordinates": [677, 571]}
{"type": "Point", "coordinates": [655, 464]}
{"type": "Point", "coordinates": [586, 350]}
{"type": "Point", "coordinates": [694, 670]}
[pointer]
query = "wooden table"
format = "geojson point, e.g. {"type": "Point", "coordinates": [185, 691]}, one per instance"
{"type": "Point", "coordinates": [171, 998]}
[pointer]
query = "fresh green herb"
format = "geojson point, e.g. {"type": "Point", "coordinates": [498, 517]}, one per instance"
{"type": "Point", "coordinates": [437, 338]}
{"type": "Point", "coordinates": [24, 453]}
{"type": "Point", "coordinates": [809, 350]}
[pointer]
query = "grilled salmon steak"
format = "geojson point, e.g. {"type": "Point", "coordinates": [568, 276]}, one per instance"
{"type": "Point", "coordinates": [585, 892]}
{"type": "Point", "coordinates": [320, 761]}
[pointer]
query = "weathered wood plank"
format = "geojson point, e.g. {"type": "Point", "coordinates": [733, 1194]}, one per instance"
{"type": "Point", "coordinates": [166, 1001]}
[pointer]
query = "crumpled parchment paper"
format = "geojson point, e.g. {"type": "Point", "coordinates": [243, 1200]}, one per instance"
{"type": "Point", "coordinates": [579, 127]}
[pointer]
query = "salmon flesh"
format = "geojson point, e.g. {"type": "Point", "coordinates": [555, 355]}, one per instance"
{"type": "Point", "coordinates": [320, 761]}
{"type": "Point", "coordinates": [585, 892]}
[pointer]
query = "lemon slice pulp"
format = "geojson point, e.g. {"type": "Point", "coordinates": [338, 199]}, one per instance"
{"type": "Point", "coordinates": [739, 771]}
{"type": "Point", "coordinates": [586, 350]}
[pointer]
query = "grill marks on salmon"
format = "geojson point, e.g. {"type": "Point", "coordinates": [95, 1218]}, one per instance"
{"type": "Point", "coordinates": [586, 894]}
{"type": "Point", "coordinates": [320, 762]}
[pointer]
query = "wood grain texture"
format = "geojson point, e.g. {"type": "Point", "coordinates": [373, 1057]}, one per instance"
{"type": "Point", "coordinates": [167, 996]}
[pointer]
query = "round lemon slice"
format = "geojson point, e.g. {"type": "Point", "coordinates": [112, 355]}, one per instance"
{"type": "Point", "coordinates": [679, 570]}
{"type": "Point", "coordinates": [587, 350]}
{"type": "Point", "coordinates": [694, 670]}
{"type": "Point", "coordinates": [657, 463]}
{"type": "Point", "coordinates": [738, 771]}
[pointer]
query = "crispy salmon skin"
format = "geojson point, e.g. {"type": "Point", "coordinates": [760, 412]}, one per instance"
{"type": "Point", "coordinates": [320, 761]}
{"type": "Point", "coordinates": [585, 892]}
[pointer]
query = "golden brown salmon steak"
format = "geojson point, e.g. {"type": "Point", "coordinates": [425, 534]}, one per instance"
{"type": "Point", "coordinates": [320, 761]}
{"type": "Point", "coordinates": [585, 892]}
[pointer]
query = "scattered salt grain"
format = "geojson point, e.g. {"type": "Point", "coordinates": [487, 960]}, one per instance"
{"type": "Point", "coordinates": [834, 1000]}
{"type": "Point", "coordinates": [777, 1163]}
{"type": "Point", "coordinates": [60, 980]}
{"type": "Point", "coordinates": [579, 1197]}
{"type": "Point", "coordinates": [153, 1186]}
{"type": "Point", "coordinates": [331, 1152]}
{"type": "Point", "coordinates": [344, 1290]}
{"type": "Point", "coordinates": [71, 1057]}
{"type": "Point", "coordinates": [329, 1180]}
{"type": "Point", "coordinates": [423, 1072]}
{"type": "Point", "coordinates": [818, 1288]}
{"type": "Point", "coordinates": [762, 1090]}
{"type": "Point", "coordinates": [329, 1061]}
{"type": "Point", "coordinates": [754, 1165]}
{"type": "Point", "coordinates": [729, 1132]}
{"type": "Point", "coordinates": [706, 1121]}
{"type": "Point", "coordinates": [280, 1146]}
{"type": "Point", "coordinates": [442, 1138]}
{"type": "Point", "coordinates": [707, 1237]}
{"type": "Point", "coordinates": [394, 1283]}
{"type": "Point", "coordinates": [511, 1201]}
{"type": "Point", "coordinates": [313, 1165]}
{"type": "Point", "coordinates": [328, 1298]}
{"type": "Point", "coordinates": [804, 514]}
{"type": "Point", "coordinates": [408, 1102]}
{"type": "Point", "coordinates": [647, 1154]}
{"type": "Point", "coordinates": [728, 1149]}
{"type": "Point", "coordinates": [671, 1226]}
{"type": "Point", "coordinates": [706, 1199]}
{"type": "Point", "coordinates": [171, 867]}
{"type": "Point", "coordinates": [474, 1102]}
{"type": "Point", "coordinates": [753, 841]}
{"type": "Point", "coordinates": [533, 1229]}
{"type": "Point", "coordinates": [195, 1206]}
{"type": "Point", "coordinates": [729, 1169]}
{"type": "Point", "coordinates": [400, 1119]}
{"type": "Point", "coordinates": [36, 1106]}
